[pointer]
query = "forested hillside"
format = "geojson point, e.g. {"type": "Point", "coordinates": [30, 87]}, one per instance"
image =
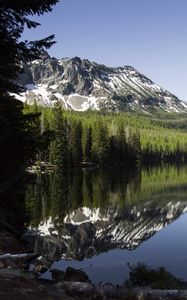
{"type": "Point", "coordinates": [71, 138]}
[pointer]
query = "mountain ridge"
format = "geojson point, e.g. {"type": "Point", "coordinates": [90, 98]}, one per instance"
{"type": "Point", "coordinates": [79, 84]}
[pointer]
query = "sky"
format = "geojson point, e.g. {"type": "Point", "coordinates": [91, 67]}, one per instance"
{"type": "Point", "coordinates": [149, 35]}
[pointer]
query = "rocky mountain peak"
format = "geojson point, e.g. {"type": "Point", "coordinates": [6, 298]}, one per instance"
{"type": "Point", "coordinates": [79, 84]}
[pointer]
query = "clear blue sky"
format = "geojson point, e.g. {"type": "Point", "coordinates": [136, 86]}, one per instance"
{"type": "Point", "coordinates": [150, 35]}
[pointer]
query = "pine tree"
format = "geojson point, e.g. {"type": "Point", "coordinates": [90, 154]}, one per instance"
{"type": "Point", "coordinates": [59, 145]}
{"type": "Point", "coordinates": [100, 143]}
{"type": "Point", "coordinates": [122, 149]}
{"type": "Point", "coordinates": [87, 143]}
{"type": "Point", "coordinates": [75, 142]}
{"type": "Point", "coordinates": [134, 147]}
{"type": "Point", "coordinates": [19, 136]}
{"type": "Point", "coordinates": [17, 131]}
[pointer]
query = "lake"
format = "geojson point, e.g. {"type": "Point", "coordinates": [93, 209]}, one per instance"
{"type": "Point", "coordinates": [101, 220]}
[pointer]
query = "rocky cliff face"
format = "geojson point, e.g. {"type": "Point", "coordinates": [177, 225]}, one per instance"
{"type": "Point", "coordinates": [80, 85]}
{"type": "Point", "coordinates": [86, 232]}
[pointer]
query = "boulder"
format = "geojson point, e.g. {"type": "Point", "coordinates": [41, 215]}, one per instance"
{"type": "Point", "coordinates": [75, 275]}
{"type": "Point", "coordinates": [16, 261]}
{"type": "Point", "coordinates": [57, 275]}
{"type": "Point", "coordinates": [40, 269]}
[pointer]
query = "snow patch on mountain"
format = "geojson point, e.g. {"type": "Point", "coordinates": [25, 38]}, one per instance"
{"type": "Point", "coordinates": [81, 85]}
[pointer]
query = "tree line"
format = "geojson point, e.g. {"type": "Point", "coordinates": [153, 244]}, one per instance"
{"type": "Point", "coordinates": [71, 139]}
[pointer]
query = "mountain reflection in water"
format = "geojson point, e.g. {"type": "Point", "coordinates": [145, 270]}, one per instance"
{"type": "Point", "coordinates": [79, 215]}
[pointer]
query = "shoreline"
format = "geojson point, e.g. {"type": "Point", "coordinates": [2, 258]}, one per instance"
{"type": "Point", "coordinates": [19, 281]}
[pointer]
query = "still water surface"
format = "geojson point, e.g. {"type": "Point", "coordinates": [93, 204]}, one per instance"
{"type": "Point", "coordinates": [100, 220]}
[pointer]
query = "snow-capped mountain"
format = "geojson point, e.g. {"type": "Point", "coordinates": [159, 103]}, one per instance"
{"type": "Point", "coordinates": [79, 84]}
{"type": "Point", "coordinates": [90, 231]}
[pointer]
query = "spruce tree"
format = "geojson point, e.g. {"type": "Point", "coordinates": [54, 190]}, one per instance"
{"type": "Point", "coordinates": [17, 136]}
{"type": "Point", "coordinates": [75, 142]}
{"type": "Point", "coordinates": [87, 143]}
{"type": "Point", "coordinates": [122, 150]}
{"type": "Point", "coordinates": [59, 145]}
{"type": "Point", "coordinates": [100, 143]}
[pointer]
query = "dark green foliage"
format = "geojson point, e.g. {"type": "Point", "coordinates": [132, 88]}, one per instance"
{"type": "Point", "coordinates": [58, 154]}
{"type": "Point", "coordinates": [19, 132]}
{"type": "Point", "coordinates": [75, 142]}
{"type": "Point", "coordinates": [19, 136]}
{"type": "Point", "coordinates": [121, 145]}
{"type": "Point", "coordinates": [142, 275]}
{"type": "Point", "coordinates": [9, 224]}
{"type": "Point", "coordinates": [106, 138]}
{"type": "Point", "coordinates": [134, 147]}
{"type": "Point", "coordinates": [100, 143]}
{"type": "Point", "coordinates": [87, 143]}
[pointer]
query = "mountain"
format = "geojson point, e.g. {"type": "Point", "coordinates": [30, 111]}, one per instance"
{"type": "Point", "coordinates": [89, 231]}
{"type": "Point", "coordinates": [79, 84]}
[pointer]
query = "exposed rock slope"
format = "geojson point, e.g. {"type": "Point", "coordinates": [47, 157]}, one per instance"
{"type": "Point", "coordinates": [80, 85]}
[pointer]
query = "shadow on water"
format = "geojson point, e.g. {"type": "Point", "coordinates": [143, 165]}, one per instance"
{"type": "Point", "coordinates": [13, 218]}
